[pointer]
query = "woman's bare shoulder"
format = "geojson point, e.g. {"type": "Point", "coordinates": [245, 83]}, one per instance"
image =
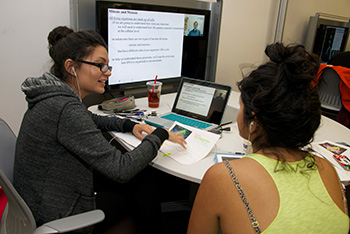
{"type": "Point", "coordinates": [330, 180]}
{"type": "Point", "coordinates": [324, 166]}
{"type": "Point", "coordinates": [214, 173]}
{"type": "Point", "coordinates": [246, 169]}
{"type": "Point", "coordinates": [219, 169]}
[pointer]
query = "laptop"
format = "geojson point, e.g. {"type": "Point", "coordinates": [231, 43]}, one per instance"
{"type": "Point", "coordinates": [198, 103]}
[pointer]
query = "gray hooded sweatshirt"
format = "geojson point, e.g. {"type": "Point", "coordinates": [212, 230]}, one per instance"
{"type": "Point", "coordinates": [60, 144]}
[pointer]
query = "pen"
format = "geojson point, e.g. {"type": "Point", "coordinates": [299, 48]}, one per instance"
{"type": "Point", "coordinates": [224, 124]}
{"type": "Point", "coordinates": [134, 118]}
{"type": "Point", "coordinates": [123, 99]}
{"type": "Point", "coordinates": [129, 111]}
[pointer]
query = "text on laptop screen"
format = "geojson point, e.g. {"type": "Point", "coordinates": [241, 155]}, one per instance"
{"type": "Point", "coordinates": [201, 100]}
{"type": "Point", "coordinates": [195, 98]}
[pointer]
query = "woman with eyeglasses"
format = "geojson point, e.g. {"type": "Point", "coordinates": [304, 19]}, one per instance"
{"type": "Point", "coordinates": [60, 148]}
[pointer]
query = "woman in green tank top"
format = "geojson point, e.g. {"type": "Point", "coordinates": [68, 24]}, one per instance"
{"type": "Point", "coordinates": [277, 187]}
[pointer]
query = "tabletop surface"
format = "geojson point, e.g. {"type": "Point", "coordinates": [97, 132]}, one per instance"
{"type": "Point", "coordinates": [230, 142]}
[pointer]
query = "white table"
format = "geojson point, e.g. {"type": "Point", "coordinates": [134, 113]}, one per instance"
{"type": "Point", "coordinates": [229, 143]}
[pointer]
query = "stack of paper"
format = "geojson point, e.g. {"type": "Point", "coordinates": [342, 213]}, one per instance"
{"type": "Point", "coordinates": [199, 143]}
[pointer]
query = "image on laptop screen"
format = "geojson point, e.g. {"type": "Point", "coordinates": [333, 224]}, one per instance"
{"type": "Point", "coordinates": [201, 100]}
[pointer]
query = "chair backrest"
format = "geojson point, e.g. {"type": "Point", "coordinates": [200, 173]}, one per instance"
{"type": "Point", "coordinates": [7, 149]}
{"type": "Point", "coordinates": [246, 68]}
{"type": "Point", "coordinates": [328, 90]}
{"type": "Point", "coordinates": [17, 217]}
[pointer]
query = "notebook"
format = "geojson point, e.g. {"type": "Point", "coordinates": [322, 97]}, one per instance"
{"type": "Point", "coordinates": [198, 103]}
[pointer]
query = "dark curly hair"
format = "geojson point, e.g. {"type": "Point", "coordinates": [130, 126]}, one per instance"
{"type": "Point", "coordinates": [64, 43]}
{"type": "Point", "coordinates": [280, 95]}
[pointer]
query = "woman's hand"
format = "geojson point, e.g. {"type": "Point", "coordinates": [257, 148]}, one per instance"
{"type": "Point", "coordinates": [173, 137]}
{"type": "Point", "coordinates": [177, 138]}
{"type": "Point", "coordinates": [140, 128]}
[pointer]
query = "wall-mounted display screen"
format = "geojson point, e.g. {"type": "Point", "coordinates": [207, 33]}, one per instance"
{"type": "Point", "coordinates": [145, 41]}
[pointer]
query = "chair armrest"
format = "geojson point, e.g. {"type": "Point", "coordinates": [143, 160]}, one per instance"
{"type": "Point", "coordinates": [71, 223]}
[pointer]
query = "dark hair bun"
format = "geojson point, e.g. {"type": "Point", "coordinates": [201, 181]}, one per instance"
{"type": "Point", "coordinates": [280, 95]}
{"type": "Point", "coordinates": [296, 64]}
{"type": "Point", "coordinates": [276, 52]}
{"type": "Point", "coordinates": [57, 34]}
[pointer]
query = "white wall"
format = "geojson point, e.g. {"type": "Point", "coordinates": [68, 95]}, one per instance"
{"type": "Point", "coordinates": [298, 17]}
{"type": "Point", "coordinates": [247, 27]}
{"type": "Point", "coordinates": [24, 26]}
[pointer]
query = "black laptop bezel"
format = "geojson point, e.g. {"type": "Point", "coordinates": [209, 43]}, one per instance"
{"type": "Point", "coordinates": [208, 119]}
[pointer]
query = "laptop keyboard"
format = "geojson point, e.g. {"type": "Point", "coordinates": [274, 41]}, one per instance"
{"type": "Point", "coordinates": [187, 121]}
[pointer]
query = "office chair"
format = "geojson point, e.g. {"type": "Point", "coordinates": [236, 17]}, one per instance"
{"type": "Point", "coordinates": [328, 90]}
{"type": "Point", "coordinates": [340, 59]}
{"type": "Point", "coordinates": [246, 68]}
{"type": "Point", "coordinates": [17, 218]}
{"type": "Point", "coordinates": [7, 149]}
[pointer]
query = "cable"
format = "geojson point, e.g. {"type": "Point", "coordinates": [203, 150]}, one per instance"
{"type": "Point", "coordinates": [76, 76]}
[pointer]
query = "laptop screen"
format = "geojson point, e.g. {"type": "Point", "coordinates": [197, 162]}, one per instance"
{"type": "Point", "coordinates": [203, 100]}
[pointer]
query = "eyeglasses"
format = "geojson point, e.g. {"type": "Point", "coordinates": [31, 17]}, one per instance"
{"type": "Point", "coordinates": [103, 67]}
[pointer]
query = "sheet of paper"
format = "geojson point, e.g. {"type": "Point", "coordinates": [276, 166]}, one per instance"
{"type": "Point", "coordinates": [330, 151]}
{"type": "Point", "coordinates": [199, 144]}
{"type": "Point", "coordinates": [126, 138]}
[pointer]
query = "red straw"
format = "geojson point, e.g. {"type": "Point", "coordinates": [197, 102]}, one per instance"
{"type": "Point", "coordinates": [155, 80]}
